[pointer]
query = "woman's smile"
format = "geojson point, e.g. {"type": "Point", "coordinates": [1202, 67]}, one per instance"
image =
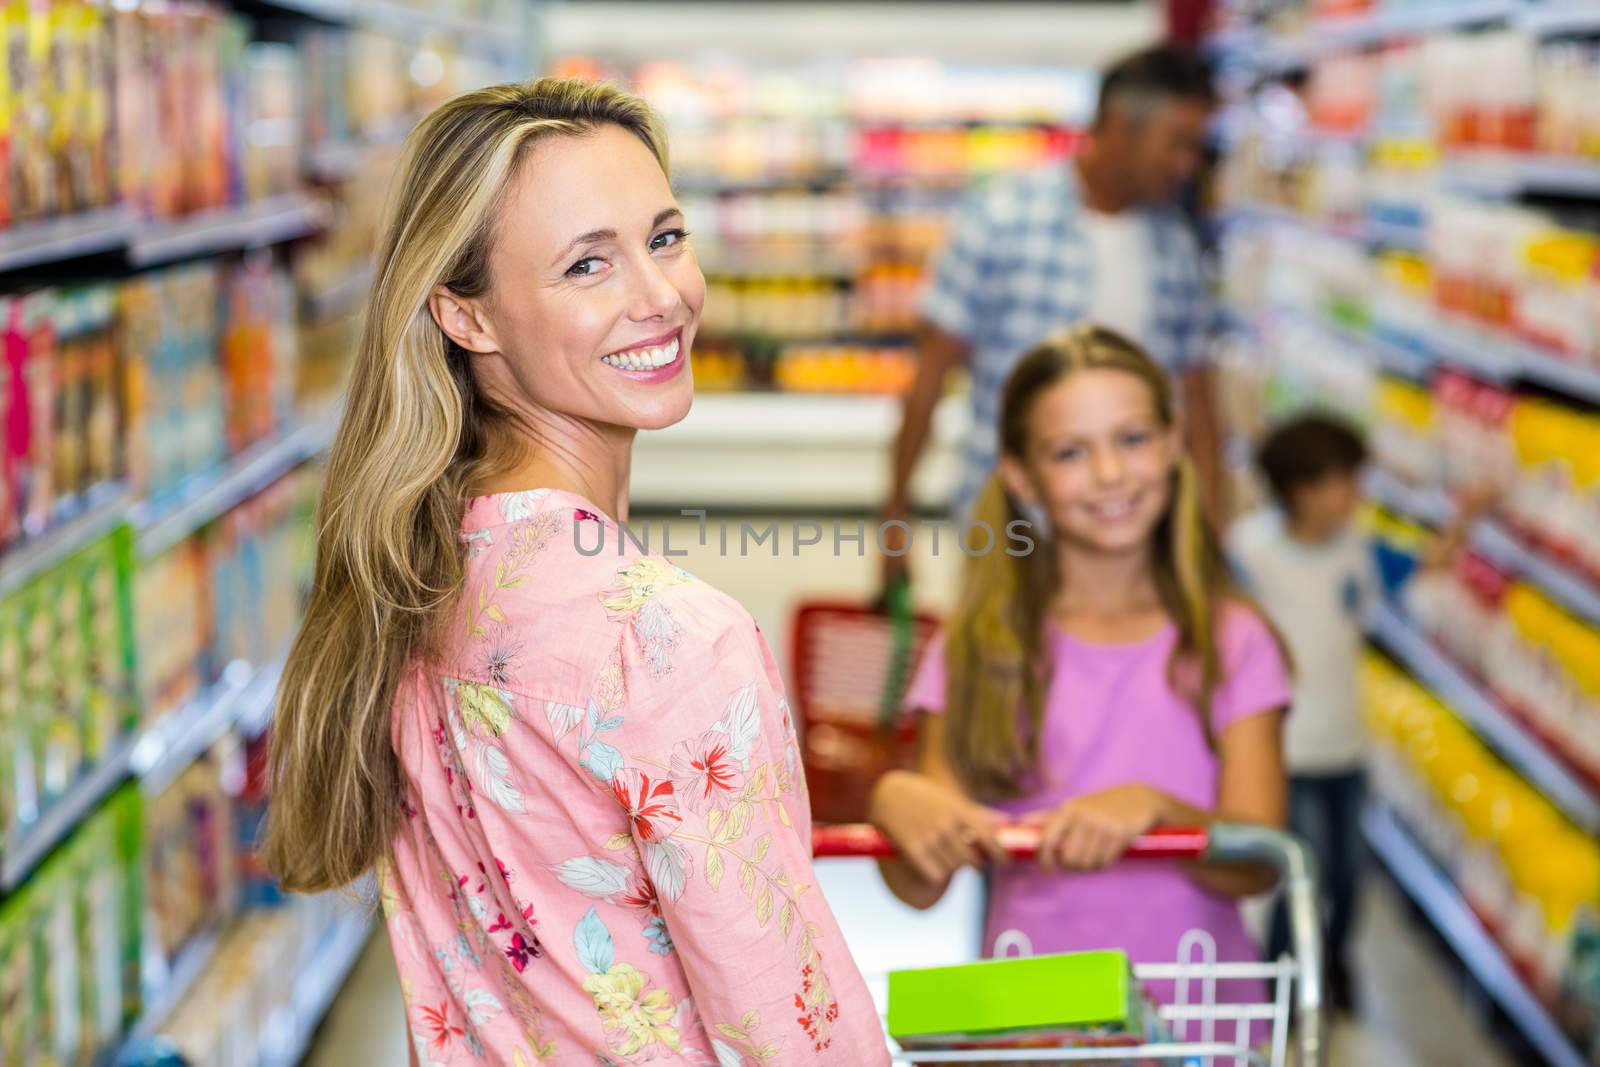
{"type": "Point", "coordinates": [655, 360]}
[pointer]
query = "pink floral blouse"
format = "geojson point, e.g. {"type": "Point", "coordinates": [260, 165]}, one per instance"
{"type": "Point", "coordinates": [606, 852]}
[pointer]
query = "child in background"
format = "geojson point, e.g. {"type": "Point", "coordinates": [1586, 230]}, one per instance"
{"type": "Point", "coordinates": [1109, 681]}
{"type": "Point", "coordinates": [1308, 566]}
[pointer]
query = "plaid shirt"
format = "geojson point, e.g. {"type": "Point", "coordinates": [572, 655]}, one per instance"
{"type": "Point", "coordinates": [1019, 266]}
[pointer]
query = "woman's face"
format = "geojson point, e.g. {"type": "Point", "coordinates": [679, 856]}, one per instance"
{"type": "Point", "coordinates": [595, 294]}
{"type": "Point", "coordinates": [1099, 461]}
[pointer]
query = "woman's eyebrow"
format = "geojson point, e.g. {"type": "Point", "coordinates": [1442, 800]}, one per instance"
{"type": "Point", "coordinates": [594, 236]}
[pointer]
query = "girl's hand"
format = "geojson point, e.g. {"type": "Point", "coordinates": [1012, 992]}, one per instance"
{"type": "Point", "coordinates": [935, 827]}
{"type": "Point", "coordinates": [1091, 832]}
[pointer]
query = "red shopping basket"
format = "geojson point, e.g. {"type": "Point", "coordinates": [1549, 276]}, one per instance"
{"type": "Point", "coordinates": [852, 664]}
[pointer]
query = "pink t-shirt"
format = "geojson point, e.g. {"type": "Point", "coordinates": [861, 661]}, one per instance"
{"type": "Point", "coordinates": [1112, 718]}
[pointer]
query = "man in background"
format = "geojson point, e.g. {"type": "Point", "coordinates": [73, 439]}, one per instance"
{"type": "Point", "coordinates": [1100, 239]}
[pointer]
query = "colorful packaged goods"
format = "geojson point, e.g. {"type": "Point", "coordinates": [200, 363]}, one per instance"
{"type": "Point", "coordinates": [1068, 1000]}
{"type": "Point", "coordinates": [60, 405]}
{"type": "Point", "coordinates": [70, 944]}
{"type": "Point", "coordinates": [170, 605]}
{"type": "Point", "coordinates": [1554, 498]}
{"type": "Point", "coordinates": [1532, 878]}
{"type": "Point", "coordinates": [191, 869]}
{"type": "Point", "coordinates": [174, 386]}
{"type": "Point", "coordinates": [66, 646]}
{"type": "Point", "coordinates": [259, 348]}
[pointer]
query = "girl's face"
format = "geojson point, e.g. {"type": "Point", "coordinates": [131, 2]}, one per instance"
{"type": "Point", "coordinates": [1099, 461]}
{"type": "Point", "coordinates": [596, 294]}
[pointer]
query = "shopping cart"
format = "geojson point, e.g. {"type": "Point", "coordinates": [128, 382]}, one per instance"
{"type": "Point", "coordinates": [1198, 1023]}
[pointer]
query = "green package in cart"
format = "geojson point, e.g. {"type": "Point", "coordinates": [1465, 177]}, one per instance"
{"type": "Point", "coordinates": [1077, 998]}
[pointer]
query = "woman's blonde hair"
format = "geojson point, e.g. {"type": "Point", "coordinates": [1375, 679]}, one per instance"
{"type": "Point", "coordinates": [997, 666]}
{"type": "Point", "coordinates": [412, 441]}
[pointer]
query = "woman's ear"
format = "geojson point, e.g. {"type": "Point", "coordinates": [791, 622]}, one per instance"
{"type": "Point", "coordinates": [463, 321]}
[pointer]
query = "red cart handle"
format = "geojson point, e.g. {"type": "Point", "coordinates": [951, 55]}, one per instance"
{"type": "Point", "coordinates": [1022, 841]}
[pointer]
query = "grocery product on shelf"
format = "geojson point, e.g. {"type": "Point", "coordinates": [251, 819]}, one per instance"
{"type": "Point", "coordinates": [191, 871]}
{"type": "Point", "coordinates": [1556, 488]}
{"type": "Point", "coordinates": [70, 944]}
{"type": "Point", "coordinates": [176, 415]}
{"type": "Point", "coordinates": [66, 642]}
{"type": "Point", "coordinates": [1531, 877]}
{"type": "Point", "coordinates": [259, 349]}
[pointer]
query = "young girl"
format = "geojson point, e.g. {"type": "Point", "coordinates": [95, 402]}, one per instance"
{"type": "Point", "coordinates": [1109, 681]}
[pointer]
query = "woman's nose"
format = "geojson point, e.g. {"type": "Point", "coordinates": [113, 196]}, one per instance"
{"type": "Point", "coordinates": [654, 294]}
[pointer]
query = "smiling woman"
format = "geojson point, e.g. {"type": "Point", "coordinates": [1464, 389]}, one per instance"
{"type": "Point", "coordinates": [551, 759]}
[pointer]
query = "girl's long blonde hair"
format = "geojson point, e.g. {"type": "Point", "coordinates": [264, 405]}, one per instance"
{"type": "Point", "coordinates": [997, 666]}
{"type": "Point", "coordinates": [413, 439]}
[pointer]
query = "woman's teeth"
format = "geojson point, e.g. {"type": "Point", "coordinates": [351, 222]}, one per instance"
{"type": "Point", "coordinates": [644, 358]}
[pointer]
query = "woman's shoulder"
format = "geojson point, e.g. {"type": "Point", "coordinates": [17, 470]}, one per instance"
{"type": "Point", "coordinates": [547, 560]}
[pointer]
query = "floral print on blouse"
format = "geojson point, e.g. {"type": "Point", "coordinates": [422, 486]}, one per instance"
{"type": "Point", "coordinates": [605, 856]}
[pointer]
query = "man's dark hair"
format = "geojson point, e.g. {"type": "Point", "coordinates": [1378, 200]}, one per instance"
{"type": "Point", "coordinates": [1152, 77]}
{"type": "Point", "coordinates": [1307, 449]}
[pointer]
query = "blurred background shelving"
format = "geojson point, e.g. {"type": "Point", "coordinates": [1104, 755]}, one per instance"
{"type": "Point", "coordinates": [186, 221]}
{"type": "Point", "coordinates": [1411, 234]}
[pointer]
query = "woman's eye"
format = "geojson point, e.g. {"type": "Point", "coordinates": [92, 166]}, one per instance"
{"type": "Point", "coordinates": [585, 267]}
{"type": "Point", "coordinates": [1069, 455]}
{"type": "Point", "coordinates": [667, 239]}
{"type": "Point", "coordinates": [1136, 440]}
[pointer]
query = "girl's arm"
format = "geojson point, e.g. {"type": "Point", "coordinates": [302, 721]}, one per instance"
{"type": "Point", "coordinates": [1093, 831]}
{"type": "Point", "coordinates": [935, 825]}
{"type": "Point", "coordinates": [1252, 787]}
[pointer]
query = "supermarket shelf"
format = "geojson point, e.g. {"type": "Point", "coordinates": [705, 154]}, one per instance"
{"type": "Point", "coordinates": [1510, 553]}
{"type": "Point", "coordinates": [30, 244]}
{"type": "Point", "coordinates": [711, 183]}
{"type": "Point", "coordinates": [1552, 18]}
{"type": "Point", "coordinates": [343, 297]}
{"type": "Point", "coordinates": [163, 995]}
{"type": "Point", "coordinates": [1396, 235]}
{"type": "Point", "coordinates": [1440, 901]}
{"type": "Point", "coordinates": [32, 842]}
{"type": "Point", "coordinates": [1474, 351]}
{"type": "Point", "coordinates": [1487, 718]}
{"type": "Point", "coordinates": [1509, 175]}
{"type": "Point", "coordinates": [265, 222]}
{"type": "Point", "coordinates": [1330, 36]}
{"type": "Point", "coordinates": [335, 11]}
{"type": "Point", "coordinates": [156, 756]}
{"type": "Point", "coordinates": [161, 525]}
{"type": "Point", "coordinates": [259, 702]}
{"type": "Point", "coordinates": [342, 160]}
{"type": "Point", "coordinates": [389, 16]}
{"type": "Point", "coordinates": [1432, 507]}
{"type": "Point", "coordinates": [171, 744]}
{"type": "Point", "coordinates": [315, 990]}
{"type": "Point", "coordinates": [20, 565]}
{"type": "Point", "coordinates": [1559, 374]}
